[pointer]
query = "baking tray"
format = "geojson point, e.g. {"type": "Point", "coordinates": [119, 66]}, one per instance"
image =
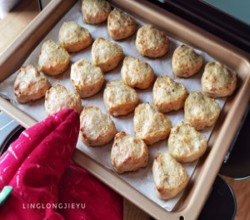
{"type": "Point", "coordinates": [223, 133]}
{"type": "Point", "coordinates": [142, 180]}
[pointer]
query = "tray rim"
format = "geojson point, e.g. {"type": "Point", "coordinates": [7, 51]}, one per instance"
{"type": "Point", "coordinates": [193, 203]}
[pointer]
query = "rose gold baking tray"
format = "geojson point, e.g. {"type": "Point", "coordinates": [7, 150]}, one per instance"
{"type": "Point", "coordinates": [200, 184]}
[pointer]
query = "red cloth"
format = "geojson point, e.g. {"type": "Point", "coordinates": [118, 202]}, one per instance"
{"type": "Point", "coordinates": [45, 185]}
{"type": "Point", "coordinates": [98, 201]}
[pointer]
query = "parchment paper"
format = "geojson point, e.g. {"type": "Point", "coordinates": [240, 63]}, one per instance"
{"type": "Point", "coordinates": [142, 180]}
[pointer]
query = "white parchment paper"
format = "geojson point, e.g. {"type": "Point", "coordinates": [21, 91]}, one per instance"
{"type": "Point", "coordinates": [141, 180]}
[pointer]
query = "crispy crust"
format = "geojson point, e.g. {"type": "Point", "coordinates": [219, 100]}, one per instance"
{"type": "Point", "coordinates": [106, 54]}
{"type": "Point", "coordinates": [136, 73]}
{"type": "Point", "coordinates": [217, 80]}
{"type": "Point", "coordinates": [168, 95]}
{"type": "Point", "coordinates": [186, 144]}
{"type": "Point", "coordinates": [186, 62]}
{"type": "Point", "coordinates": [119, 98]}
{"type": "Point", "coordinates": [201, 111]}
{"type": "Point", "coordinates": [169, 175]}
{"type": "Point", "coordinates": [149, 125]}
{"type": "Point", "coordinates": [86, 78]}
{"type": "Point", "coordinates": [30, 84]}
{"type": "Point", "coordinates": [151, 42]}
{"type": "Point", "coordinates": [95, 11]}
{"type": "Point", "coordinates": [53, 59]}
{"type": "Point", "coordinates": [128, 153]}
{"type": "Point", "coordinates": [96, 128]}
{"type": "Point", "coordinates": [120, 25]}
{"type": "Point", "coordinates": [58, 97]}
{"type": "Point", "coordinates": [73, 37]}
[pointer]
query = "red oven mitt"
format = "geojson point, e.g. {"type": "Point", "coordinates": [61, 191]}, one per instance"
{"type": "Point", "coordinates": [36, 165]}
{"type": "Point", "coordinates": [96, 200]}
